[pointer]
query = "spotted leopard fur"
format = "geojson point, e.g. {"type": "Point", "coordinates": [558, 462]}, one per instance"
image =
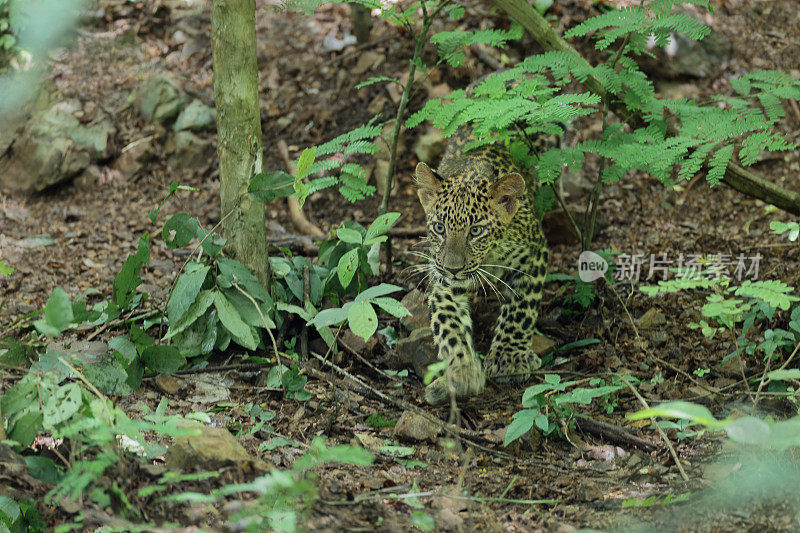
{"type": "Point", "coordinates": [482, 229]}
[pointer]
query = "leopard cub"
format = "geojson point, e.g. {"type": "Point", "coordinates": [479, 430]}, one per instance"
{"type": "Point", "coordinates": [482, 229]}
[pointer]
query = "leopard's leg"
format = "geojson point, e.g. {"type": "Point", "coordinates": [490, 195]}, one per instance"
{"type": "Point", "coordinates": [511, 357]}
{"type": "Point", "coordinates": [452, 333]}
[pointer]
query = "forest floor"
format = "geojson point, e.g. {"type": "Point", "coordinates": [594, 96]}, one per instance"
{"type": "Point", "coordinates": [466, 481]}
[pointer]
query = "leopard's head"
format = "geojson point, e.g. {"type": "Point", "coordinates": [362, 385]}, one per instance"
{"type": "Point", "coordinates": [465, 217]}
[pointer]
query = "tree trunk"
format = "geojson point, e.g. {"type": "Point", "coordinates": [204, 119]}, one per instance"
{"type": "Point", "coordinates": [736, 177]}
{"type": "Point", "coordinates": [233, 46]}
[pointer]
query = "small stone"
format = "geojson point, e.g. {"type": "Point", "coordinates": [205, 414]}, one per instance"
{"type": "Point", "coordinates": [416, 427]}
{"type": "Point", "coordinates": [429, 145]}
{"type": "Point", "coordinates": [89, 178]}
{"type": "Point", "coordinates": [358, 344]}
{"type": "Point", "coordinates": [367, 61]}
{"type": "Point", "coordinates": [160, 99]}
{"type": "Point", "coordinates": [211, 449]}
{"type": "Point", "coordinates": [420, 316]}
{"type": "Point", "coordinates": [196, 117]}
{"type": "Point", "coordinates": [168, 384]}
{"type": "Point", "coordinates": [188, 150]}
{"type": "Point", "coordinates": [651, 319]}
{"type": "Point", "coordinates": [134, 156]}
{"type": "Point", "coordinates": [417, 350]}
{"type": "Point", "coordinates": [541, 345]}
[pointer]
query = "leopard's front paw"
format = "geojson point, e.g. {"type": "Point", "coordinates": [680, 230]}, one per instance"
{"type": "Point", "coordinates": [511, 367]}
{"type": "Point", "coordinates": [465, 379]}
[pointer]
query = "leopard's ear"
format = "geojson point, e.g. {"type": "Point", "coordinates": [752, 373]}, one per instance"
{"type": "Point", "coordinates": [504, 194]}
{"type": "Point", "coordinates": [428, 185]}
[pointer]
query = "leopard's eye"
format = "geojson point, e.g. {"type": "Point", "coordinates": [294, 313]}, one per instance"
{"type": "Point", "coordinates": [476, 230]}
{"type": "Point", "coordinates": [438, 227]}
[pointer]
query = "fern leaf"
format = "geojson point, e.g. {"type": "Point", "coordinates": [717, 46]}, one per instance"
{"type": "Point", "coordinates": [719, 164]}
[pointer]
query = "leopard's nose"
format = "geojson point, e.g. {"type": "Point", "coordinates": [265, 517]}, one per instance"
{"type": "Point", "coordinates": [453, 271]}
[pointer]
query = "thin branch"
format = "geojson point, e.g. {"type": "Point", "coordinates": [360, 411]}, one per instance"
{"type": "Point", "coordinates": [658, 428]}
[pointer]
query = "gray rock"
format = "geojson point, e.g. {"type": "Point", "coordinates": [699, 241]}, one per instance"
{"type": "Point", "coordinates": [52, 148]}
{"type": "Point", "coordinates": [188, 150]}
{"type": "Point", "coordinates": [416, 427]}
{"type": "Point", "coordinates": [420, 316]}
{"type": "Point", "coordinates": [417, 350]}
{"type": "Point", "coordinates": [686, 57]}
{"type": "Point", "coordinates": [196, 117]}
{"type": "Point", "coordinates": [651, 319]}
{"type": "Point", "coordinates": [429, 145]}
{"type": "Point", "coordinates": [160, 99]}
{"type": "Point", "coordinates": [134, 156]}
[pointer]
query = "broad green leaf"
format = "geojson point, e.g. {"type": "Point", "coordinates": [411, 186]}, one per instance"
{"type": "Point", "coordinates": [197, 308]}
{"type": "Point", "coordinates": [691, 411]}
{"type": "Point", "coordinates": [381, 225]}
{"type": "Point", "coordinates": [8, 508]}
{"type": "Point", "coordinates": [163, 358]}
{"type": "Point", "coordinates": [348, 265]}
{"type": "Point", "coordinates": [20, 396]}
{"type": "Point", "coordinates": [232, 320]}
{"type": "Point", "coordinates": [266, 187]}
{"type": "Point", "coordinates": [522, 423]}
{"type": "Point", "coordinates": [61, 405]}
{"type": "Point", "coordinates": [57, 314]}
{"type": "Point", "coordinates": [232, 271]}
{"type": "Point", "coordinates": [26, 428]}
{"type": "Point", "coordinates": [109, 376]}
{"type": "Point", "coordinates": [362, 319]}
{"type": "Point", "coordinates": [378, 290]}
{"type": "Point", "coordinates": [374, 255]}
{"type": "Point", "coordinates": [210, 242]}
{"type": "Point", "coordinates": [248, 311]}
{"type": "Point", "coordinates": [391, 306]}
{"type": "Point", "coordinates": [349, 235]}
{"type": "Point", "coordinates": [187, 287]}
{"type": "Point", "coordinates": [296, 309]}
{"type": "Point", "coordinates": [330, 317]}
{"type": "Point", "coordinates": [43, 469]}
{"type": "Point", "coordinates": [305, 161]}
{"type": "Point", "coordinates": [126, 282]}
{"type": "Point", "coordinates": [788, 373]}
{"type": "Point", "coordinates": [179, 230]}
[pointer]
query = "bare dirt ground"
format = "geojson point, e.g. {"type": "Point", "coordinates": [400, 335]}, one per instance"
{"type": "Point", "coordinates": [308, 97]}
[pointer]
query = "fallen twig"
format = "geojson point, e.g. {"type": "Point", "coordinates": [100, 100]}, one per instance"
{"type": "Point", "coordinates": [613, 433]}
{"type": "Point", "coordinates": [664, 437]}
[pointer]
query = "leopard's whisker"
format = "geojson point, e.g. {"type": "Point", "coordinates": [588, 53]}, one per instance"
{"type": "Point", "coordinates": [515, 293]}
{"type": "Point", "coordinates": [509, 268]}
{"type": "Point", "coordinates": [492, 286]}
{"type": "Point", "coordinates": [480, 279]}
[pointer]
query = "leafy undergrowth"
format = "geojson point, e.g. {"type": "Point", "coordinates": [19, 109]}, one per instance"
{"type": "Point", "coordinates": [270, 435]}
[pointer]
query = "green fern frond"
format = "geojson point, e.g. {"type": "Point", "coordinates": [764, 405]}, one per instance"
{"type": "Point", "coordinates": [762, 140]}
{"type": "Point", "coordinates": [451, 43]}
{"type": "Point", "coordinates": [320, 183]}
{"type": "Point", "coordinates": [367, 131]}
{"type": "Point", "coordinates": [694, 162]}
{"type": "Point", "coordinates": [661, 7]}
{"type": "Point", "coordinates": [681, 23]}
{"type": "Point", "coordinates": [679, 284]}
{"type": "Point", "coordinates": [719, 164]}
{"type": "Point", "coordinates": [773, 292]}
